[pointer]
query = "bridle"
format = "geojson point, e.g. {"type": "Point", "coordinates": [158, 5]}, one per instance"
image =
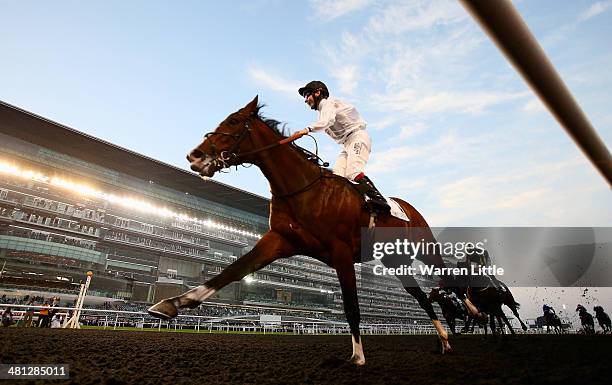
{"type": "Point", "coordinates": [222, 159]}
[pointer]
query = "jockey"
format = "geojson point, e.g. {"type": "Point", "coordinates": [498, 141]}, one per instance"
{"type": "Point", "coordinates": [344, 124]}
{"type": "Point", "coordinates": [546, 309]}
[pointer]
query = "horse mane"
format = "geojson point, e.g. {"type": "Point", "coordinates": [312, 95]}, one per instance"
{"type": "Point", "coordinates": [273, 124]}
{"type": "Point", "coordinates": [280, 129]}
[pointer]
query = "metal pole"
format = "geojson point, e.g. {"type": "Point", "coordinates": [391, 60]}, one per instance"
{"type": "Point", "coordinates": [505, 26]}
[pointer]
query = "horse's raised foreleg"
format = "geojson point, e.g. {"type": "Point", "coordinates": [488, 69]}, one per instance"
{"type": "Point", "coordinates": [472, 309]}
{"type": "Point", "coordinates": [348, 284]}
{"type": "Point", "coordinates": [269, 248]}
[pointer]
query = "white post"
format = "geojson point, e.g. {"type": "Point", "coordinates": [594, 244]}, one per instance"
{"type": "Point", "coordinates": [73, 323]}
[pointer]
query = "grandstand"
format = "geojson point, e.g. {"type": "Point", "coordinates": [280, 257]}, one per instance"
{"type": "Point", "coordinates": [70, 203]}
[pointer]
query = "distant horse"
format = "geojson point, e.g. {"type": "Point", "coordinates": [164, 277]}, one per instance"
{"type": "Point", "coordinates": [312, 212]}
{"type": "Point", "coordinates": [586, 319]}
{"type": "Point", "coordinates": [488, 296]}
{"type": "Point", "coordinates": [603, 319]}
{"type": "Point", "coordinates": [551, 319]}
{"type": "Point", "coordinates": [451, 309]}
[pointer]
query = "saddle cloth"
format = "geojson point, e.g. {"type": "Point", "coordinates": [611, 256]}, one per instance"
{"type": "Point", "coordinates": [396, 210]}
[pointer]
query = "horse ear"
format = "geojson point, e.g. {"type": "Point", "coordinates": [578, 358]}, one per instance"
{"type": "Point", "coordinates": [252, 106]}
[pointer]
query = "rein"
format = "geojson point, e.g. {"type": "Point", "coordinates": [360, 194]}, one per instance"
{"type": "Point", "coordinates": [222, 160]}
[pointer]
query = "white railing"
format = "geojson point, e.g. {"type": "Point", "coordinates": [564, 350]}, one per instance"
{"type": "Point", "coordinates": [207, 324]}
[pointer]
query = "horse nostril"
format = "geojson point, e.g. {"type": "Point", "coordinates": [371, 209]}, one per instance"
{"type": "Point", "coordinates": [194, 167]}
{"type": "Point", "coordinates": [195, 154]}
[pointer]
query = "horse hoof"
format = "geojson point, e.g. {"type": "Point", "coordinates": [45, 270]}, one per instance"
{"type": "Point", "coordinates": [356, 360]}
{"type": "Point", "coordinates": [446, 348]}
{"type": "Point", "coordinates": [164, 309]}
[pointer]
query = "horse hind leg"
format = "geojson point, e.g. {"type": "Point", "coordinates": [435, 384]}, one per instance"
{"type": "Point", "coordinates": [516, 314]}
{"type": "Point", "coordinates": [503, 316]}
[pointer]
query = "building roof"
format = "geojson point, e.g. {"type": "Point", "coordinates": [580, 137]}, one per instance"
{"type": "Point", "coordinates": [35, 129]}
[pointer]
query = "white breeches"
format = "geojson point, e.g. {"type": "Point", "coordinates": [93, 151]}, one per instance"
{"type": "Point", "coordinates": [354, 156]}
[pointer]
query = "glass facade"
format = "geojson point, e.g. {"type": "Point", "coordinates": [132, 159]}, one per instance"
{"type": "Point", "coordinates": [61, 216]}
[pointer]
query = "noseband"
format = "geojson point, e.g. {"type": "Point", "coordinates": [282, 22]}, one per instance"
{"type": "Point", "coordinates": [222, 159]}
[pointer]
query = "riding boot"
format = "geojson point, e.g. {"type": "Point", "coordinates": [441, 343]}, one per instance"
{"type": "Point", "coordinates": [373, 197]}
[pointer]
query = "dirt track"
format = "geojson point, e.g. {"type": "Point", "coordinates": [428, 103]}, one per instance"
{"type": "Point", "coordinates": [119, 357]}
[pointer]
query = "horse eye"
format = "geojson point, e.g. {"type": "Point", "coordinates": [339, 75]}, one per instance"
{"type": "Point", "coordinates": [233, 121]}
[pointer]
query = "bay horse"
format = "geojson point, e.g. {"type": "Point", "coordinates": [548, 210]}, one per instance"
{"type": "Point", "coordinates": [312, 212]}
{"type": "Point", "coordinates": [488, 297]}
{"type": "Point", "coordinates": [451, 310]}
{"type": "Point", "coordinates": [603, 318]}
{"type": "Point", "coordinates": [586, 320]}
{"type": "Point", "coordinates": [552, 320]}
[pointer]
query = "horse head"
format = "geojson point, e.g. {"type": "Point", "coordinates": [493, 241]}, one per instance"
{"type": "Point", "coordinates": [227, 144]}
{"type": "Point", "coordinates": [598, 309]}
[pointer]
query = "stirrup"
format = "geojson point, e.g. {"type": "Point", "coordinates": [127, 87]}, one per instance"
{"type": "Point", "coordinates": [375, 202]}
{"type": "Point", "coordinates": [377, 205]}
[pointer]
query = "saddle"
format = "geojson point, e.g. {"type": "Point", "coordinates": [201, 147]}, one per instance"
{"type": "Point", "coordinates": [485, 282]}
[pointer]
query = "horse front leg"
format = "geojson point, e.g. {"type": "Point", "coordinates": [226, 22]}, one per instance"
{"type": "Point", "coordinates": [411, 286]}
{"type": "Point", "coordinates": [348, 284]}
{"type": "Point", "coordinates": [472, 309]}
{"type": "Point", "coordinates": [269, 248]}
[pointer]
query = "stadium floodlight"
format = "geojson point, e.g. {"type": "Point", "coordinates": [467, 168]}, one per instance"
{"type": "Point", "coordinates": [12, 169]}
{"type": "Point", "coordinates": [249, 279]}
{"type": "Point", "coordinates": [132, 203]}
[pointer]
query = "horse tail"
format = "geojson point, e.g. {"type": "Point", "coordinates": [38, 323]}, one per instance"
{"type": "Point", "coordinates": [510, 297]}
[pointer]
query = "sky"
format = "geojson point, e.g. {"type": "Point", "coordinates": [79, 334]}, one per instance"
{"type": "Point", "coordinates": [456, 131]}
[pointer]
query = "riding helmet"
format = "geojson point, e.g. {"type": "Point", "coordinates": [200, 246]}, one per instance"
{"type": "Point", "coordinates": [313, 86]}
